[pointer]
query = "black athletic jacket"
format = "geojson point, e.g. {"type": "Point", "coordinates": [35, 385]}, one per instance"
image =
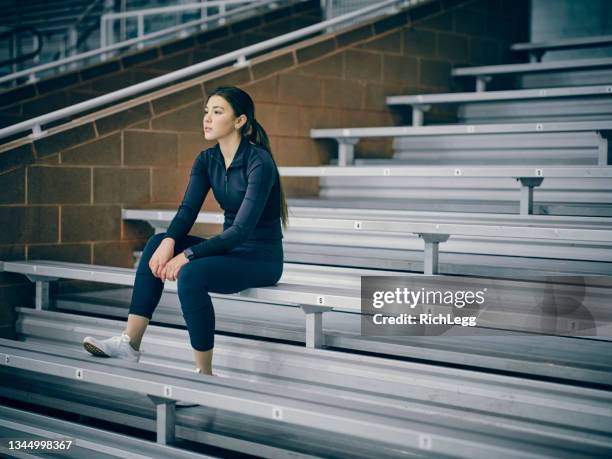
{"type": "Point", "coordinates": [248, 191]}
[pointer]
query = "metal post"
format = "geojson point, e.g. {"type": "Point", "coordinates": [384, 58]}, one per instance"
{"type": "Point", "coordinates": [140, 30]}
{"type": "Point", "coordinates": [604, 156]}
{"type": "Point", "coordinates": [13, 51]}
{"type": "Point", "coordinates": [222, 12]}
{"type": "Point", "coordinates": [536, 55]}
{"type": "Point", "coordinates": [346, 150]}
{"type": "Point", "coordinates": [314, 325]}
{"type": "Point", "coordinates": [432, 242]}
{"type": "Point", "coordinates": [481, 83]}
{"type": "Point", "coordinates": [203, 16]}
{"type": "Point", "coordinates": [166, 419]}
{"type": "Point", "coordinates": [42, 298]}
{"type": "Point", "coordinates": [418, 114]}
{"type": "Point", "coordinates": [527, 184]}
{"type": "Point", "coordinates": [72, 45]}
{"type": "Point", "coordinates": [103, 37]}
{"type": "Point", "coordinates": [123, 23]}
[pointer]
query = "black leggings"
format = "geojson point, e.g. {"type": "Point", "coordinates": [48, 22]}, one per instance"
{"type": "Point", "coordinates": [246, 266]}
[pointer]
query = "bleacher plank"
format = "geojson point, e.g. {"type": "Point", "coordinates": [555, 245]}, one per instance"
{"type": "Point", "coordinates": [522, 404]}
{"type": "Point", "coordinates": [388, 424]}
{"type": "Point", "coordinates": [348, 137]}
{"type": "Point", "coordinates": [537, 49]}
{"type": "Point", "coordinates": [484, 73]}
{"type": "Point", "coordinates": [575, 361]}
{"type": "Point", "coordinates": [423, 102]}
{"type": "Point", "coordinates": [85, 441]}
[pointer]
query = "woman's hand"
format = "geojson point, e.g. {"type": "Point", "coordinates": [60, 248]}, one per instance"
{"type": "Point", "coordinates": [161, 256]}
{"type": "Point", "coordinates": [172, 268]}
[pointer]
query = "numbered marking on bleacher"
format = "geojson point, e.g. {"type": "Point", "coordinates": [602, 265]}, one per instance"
{"type": "Point", "coordinates": [539, 127]}
{"type": "Point", "coordinates": [7, 360]}
{"type": "Point", "coordinates": [277, 413]}
{"type": "Point", "coordinates": [542, 92]}
{"type": "Point", "coordinates": [386, 172]}
{"type": "Point", "coordinates": [471, 129]}
{"type": "Point", "coordinates": [457, 172]}
{"type": "Point", "coordinates": [539, 173]}
{"type": "Point", "coordinates": [425, 442]}
{"type": "Point", "coordinates": [168, 391]}
{"type": "Point", "coordinates": [357, 225]}
{"type": "Point", "coordinates": [608, 88]}
{"type": "Point", "coordinates": [321, 300]}
{"type": "Point", "coordinates": [79, 373]}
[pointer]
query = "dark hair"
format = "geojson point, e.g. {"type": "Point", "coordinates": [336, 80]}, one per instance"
{"type": "Point", "coordinates": [242, 104]}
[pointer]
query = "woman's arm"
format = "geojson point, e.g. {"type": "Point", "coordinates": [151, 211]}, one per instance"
{"type": "Point", "coordinates": [197, 189]}
{"type": "Point", "coordinates": [261, 176]}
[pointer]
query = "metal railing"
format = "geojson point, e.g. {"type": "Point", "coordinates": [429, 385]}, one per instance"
{"type": "Point", "coordinates": [239, 57]}
{"type": "Point", "coordinates": [15, 45]}
{"type": "Point", "coordinates": [71, 37]}
{"type": "Point", "coordinates": [107, 21]}
{"type": "Point", "coordinates": [105, 52]}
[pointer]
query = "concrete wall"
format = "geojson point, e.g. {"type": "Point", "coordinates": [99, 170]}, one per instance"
{"type": "Point", "coordinates": [68, 188]}
{"type": "Point", "coordinates": [553, 19]}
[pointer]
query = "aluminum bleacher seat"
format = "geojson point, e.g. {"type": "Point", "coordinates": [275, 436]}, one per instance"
{"type": "Point", "coordinates": [470, 255]}
{"type": "Point", "coordinates": [368, 417]}
{"type": "Point", "coordinates": [538, 49]}
{"type": "Point", "coordinates": [513, 106]}
{"type": "Point", "coordinates": [492, 408]}
{"type": "Point", "coordinates": [25, 434]}
{"type": "Point", "coordinates": [483, 74]}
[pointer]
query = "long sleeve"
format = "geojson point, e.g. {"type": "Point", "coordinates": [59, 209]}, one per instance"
{"type": "Point", "coordinates": [261, 176]}
{"type": "Point", "coordinates": [197, 189]}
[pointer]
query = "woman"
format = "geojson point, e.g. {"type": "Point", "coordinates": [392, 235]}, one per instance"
{"type": "Point", "coordinates": [248, 253]}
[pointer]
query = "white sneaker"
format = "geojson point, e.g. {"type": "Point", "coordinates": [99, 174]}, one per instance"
{"type": "Point", "coordinates": [117, 346]}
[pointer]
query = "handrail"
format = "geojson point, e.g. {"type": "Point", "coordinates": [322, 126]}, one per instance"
{"type": "Point", "coordinates": [39, 42]}
{"type": "Point", "coordinates": [239, 56]}
{"type": "Point", "coordinates": [31, 72]}
{"type": "Point", "coordinates": [173, 9]}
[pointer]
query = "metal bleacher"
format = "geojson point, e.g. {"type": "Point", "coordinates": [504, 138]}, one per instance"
{"type": "Point", "coordinates": [315, 384]}
{"type": "Point", "coordinates": [453, 200]}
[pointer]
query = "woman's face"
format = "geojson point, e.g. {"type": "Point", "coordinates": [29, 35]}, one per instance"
{"type": "Point", "coordinates": [219, 119]}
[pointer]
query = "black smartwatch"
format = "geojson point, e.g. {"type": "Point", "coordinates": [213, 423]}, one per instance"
{"type": "Point", "coordinates": [188, 253]}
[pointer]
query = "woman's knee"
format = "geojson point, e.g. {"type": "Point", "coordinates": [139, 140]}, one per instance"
{"type": "Point", "coordinates": [155, 240]}
{"type": "Point", "coordinates": [190, 286]}
{"type": "Point", "coordinates": [152, 245]}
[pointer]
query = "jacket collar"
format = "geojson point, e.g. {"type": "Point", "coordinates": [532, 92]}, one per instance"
{"type": "Point", "coordinates": [239, 157]}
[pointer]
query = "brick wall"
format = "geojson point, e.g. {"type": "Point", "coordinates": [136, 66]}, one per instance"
{"type": "Point", "coordinates": [66, 190]}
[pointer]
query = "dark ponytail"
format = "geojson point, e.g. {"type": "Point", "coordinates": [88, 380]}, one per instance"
{"type": "Point", "coordinates": [242, 104]}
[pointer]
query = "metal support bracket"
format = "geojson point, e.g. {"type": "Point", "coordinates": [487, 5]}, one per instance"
{"type": "Point", "coordinates": [346, 150]}
{"type": "Point", "coordinates": [481, 82]}
{"type": "Point", "coordinates": [166, 419]}
{"type": "Point", "coordinates": [604, 156]}
{"type": "Point", "coordinates": [432, 242]}
{"type": "Point", "coordinates": [535, 55]}
{"type": "Point", "coordinates": [527, 184]}
{"type": "Point", "coordinates": [42, 298]}
{"type": "Point", "coordinates": [418, 114]}
{"type": "Point", "coordinates": [314, 325]}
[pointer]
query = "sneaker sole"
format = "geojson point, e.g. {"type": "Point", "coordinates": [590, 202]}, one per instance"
{"type": "Point", "coordinates": [94, 350]}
